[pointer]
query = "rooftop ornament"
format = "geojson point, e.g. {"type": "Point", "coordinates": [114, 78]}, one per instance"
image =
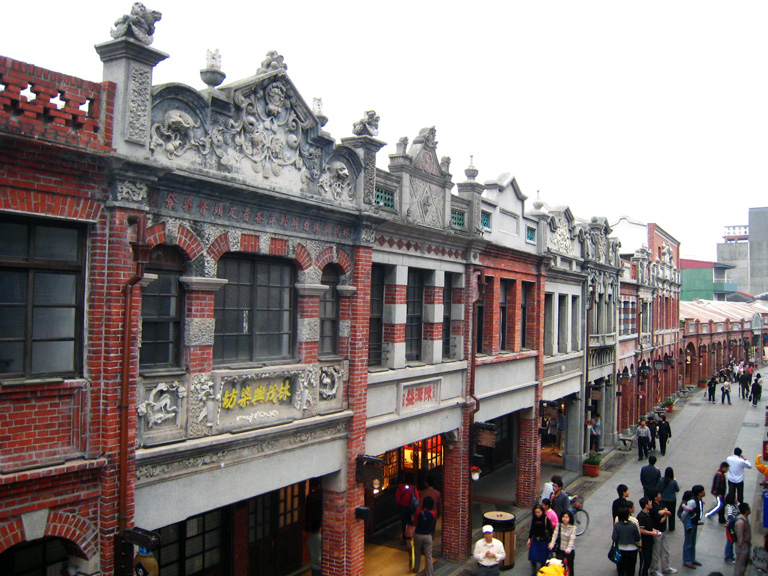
{"type": "Point", "coordinates": [471, 172]}
{"type": "Point", "coordinates": [273, 61]}
{"type": "Point", "coordinates": [367, 126]}
{"type": "Point", "coordinates": [139, 24]}
{"type": "Point", "coordinates": [212, 74]}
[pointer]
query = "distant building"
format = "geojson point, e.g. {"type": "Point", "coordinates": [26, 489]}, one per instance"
{"type": "Point", "coordinates": [746, 249]}
{"type": "Point", "coordinates": [706, 280]}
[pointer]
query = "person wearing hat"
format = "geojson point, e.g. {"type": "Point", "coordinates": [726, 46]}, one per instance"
{"type": "Point", "coordinates": [489, 552]}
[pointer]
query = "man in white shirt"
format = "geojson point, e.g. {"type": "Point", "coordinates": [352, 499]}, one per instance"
{"type": "Point", "coordinates": [489, 552]}
{"type": "Point", "coordinates": [736, 465]}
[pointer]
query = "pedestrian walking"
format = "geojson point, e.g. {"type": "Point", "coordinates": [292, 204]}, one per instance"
{"type": "Point", "coordinates": [743, 543]}
{"type": "Point", "coordinates": [649, 476]}
{"type": "Point", "coordinates": [488, 552]}
{"type": "Point", "coordinates": [731, 512]}
{"type": "Point", "coordinates": [425, 521]}
{"type": "Point", "coordinates": [434, 493]}
{"type": "Point", "coordinates": [643, 435]}
{"type": "Point", "coordinates": [719, 491]}
{"type": "Point", "coordinates": [693, 512]}
{"type": "Point", "coordinates": [595, 433]}
{"type": "Point", "coordinates": [626, 534]}
{"type": "Point", "coordinates": [725, 391]}
{"type": "Point", "coordinates": [669, 488]}
{"type": "Point", "coordinates": [652, 426]}
{"type": "Point", "coordinates": [757, 390]}
{"type": "Point", "coordinates": [564, 539]}
{"type": "Point", "coordinates": [539, 536]}
{"type": "Point", "coordinates": [736, 465]}
{"type": "Point", "coordinates": [711, 388]}
{"type": "Point", "coordinates": [621, 502]}
{"type": "Point", "coordinates": [404, 498]}
{"type": "Point", "coordinates": [660, 515]}
{"type": "Point", "coordinates": [647, 535]}
{"type": "Point", "coordinates": [546, 505]}
{"type": "Point", "coordinates": [664, 432]}
{"type": "Point", "coordinates": [560, 501]}
{"type": "Point", "coordinates": [744, 383]}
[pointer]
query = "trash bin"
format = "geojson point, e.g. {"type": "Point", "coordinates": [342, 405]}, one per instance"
{"type": "Point", "coordinates": [503, 530]}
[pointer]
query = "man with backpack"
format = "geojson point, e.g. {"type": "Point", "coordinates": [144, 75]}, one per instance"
{"type": "Point", "coordinates": [718, 491]}
{"type": "Point", "coordinates": [743, 539]}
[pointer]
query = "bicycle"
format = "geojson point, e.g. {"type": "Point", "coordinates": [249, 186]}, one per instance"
{"type": "Point", "coordinates": [580, 516]}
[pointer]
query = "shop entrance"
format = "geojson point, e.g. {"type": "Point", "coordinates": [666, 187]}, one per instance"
{"type": "Point", "coordinates": [552, 430]}
{"type": "Point", "coordinates": [274, 526]}
{"type": "Point", "coordinates": [423, 458]}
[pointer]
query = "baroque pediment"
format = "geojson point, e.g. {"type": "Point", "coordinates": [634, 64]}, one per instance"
{"type": "Point", "coordinates": [259, 129]}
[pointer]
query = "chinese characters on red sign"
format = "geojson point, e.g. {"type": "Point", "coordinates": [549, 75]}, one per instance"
{"type": "Point", "coordinates": [420, 394]}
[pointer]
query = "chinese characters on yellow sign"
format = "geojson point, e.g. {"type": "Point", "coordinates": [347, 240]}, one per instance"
{"type": "Point", "coordinates": [247, 395]}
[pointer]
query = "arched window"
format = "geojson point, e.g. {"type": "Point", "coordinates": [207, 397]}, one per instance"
{"type": "Point", "coordinates": [162, 311]}
{"type": "Point", "coordinates": [255, 311]}
{"type": "Point", "coordinates": [329, 313]}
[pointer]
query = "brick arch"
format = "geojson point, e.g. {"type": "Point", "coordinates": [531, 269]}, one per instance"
{"type": "Point", "coordinates": [327, 257]}
{"type": "Point", "coordinates": [303, 258]}
{"type": "Point", "coordinates": [11, 533]}
{"type": "Point", "coordinates": [74, 528]}
{"type": "Point", "coordinates": [156, 234]}
{"type": "Point", "coordinates": [189, 242]}
{"type": "Point", "coordinates": [219, 246]}
{"type": "Point", "coordinates": [41, 203]}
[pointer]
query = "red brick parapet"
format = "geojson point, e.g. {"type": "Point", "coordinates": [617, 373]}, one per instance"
{"type": "Point", "coordinates": [52, 106]}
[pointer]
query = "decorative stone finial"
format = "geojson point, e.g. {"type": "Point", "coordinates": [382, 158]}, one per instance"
{"type": "Point", "coordinates": [428, 137]}
{"type": "Point", "coordinates": [212, 74]}
{"type": "Point", "coordinates": [139, 24]}
{"type": "Point", "coordinates": [471, 172]}
{"type": "Point", "coordinates": [273, 61]}
{"type": "Point", "coordinates": [537, 204]}
{"type": "Point", "coordinates": [445, 164]}
{"type": "Point", "coordinates": [402, 145]}
{"type": "Point", "coordinates": [367, 126]}
{"type": "Point", "coordinates": [317, 110]}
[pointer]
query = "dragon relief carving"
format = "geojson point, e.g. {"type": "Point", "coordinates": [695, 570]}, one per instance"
{"type": "Point", "coordinates": [265, 134]}
{"type": "Point", "coordinates": [159, 406]}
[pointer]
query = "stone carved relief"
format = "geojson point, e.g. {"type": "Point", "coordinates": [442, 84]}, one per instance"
{"type": "Point", "coordinates": [177, 135]}
{"type": "Point", "coordinates": [266, 137]}
{"type": "Point", "coordinates": [368, 235]}
{"type": "Point", "coordinates": [211, 458]}
{"type": "Point", "coordinates": [329, 382]}
{"type": "Point", "coordinates": [139, 95]}
{"type": "Point", "coordinates": [133, 191]}
{"type": "Point", "coordinates": [139, 24]}
{"type": "Point", "coordinates": [335, 183]}
{"type": "Point", "coordinates": [160, 405]}
{"type": "Point", "coordinates": [203, 405]}
{"type": "Point", "coordinates": [561, 239]}
{"type": "Point", "coordinates": [151, 471]}
{"type": "Point", "coordinates": [272, 62]}
{"type": "Point", "coordinates": [426, 204]}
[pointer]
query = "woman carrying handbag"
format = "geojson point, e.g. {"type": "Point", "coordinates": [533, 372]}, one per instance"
{"type": "Point", "coordinates": [539, 535]}
{"type": "Point", "coordinates": [563, 540]}
{"type": "Point", "coordinates": [626, 534]}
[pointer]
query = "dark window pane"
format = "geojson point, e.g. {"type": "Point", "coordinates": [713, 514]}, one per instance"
{"type": "Point", "coordinates": [48, 357]}
{"type": "Point", "coordinates": [14, 240]}
{"type": "Point", "coordinates": [56, 244]}
{"type": "Point", "coordinates": [48, 323]}
{"type": "Point", "coordinates": [55, 288]}
{"type": "Point", "coordinates": [11, 322]}
{"type": "Point", "coordinates": [11, 358]}
{"type": "Point", "coordinates": [13, 287]}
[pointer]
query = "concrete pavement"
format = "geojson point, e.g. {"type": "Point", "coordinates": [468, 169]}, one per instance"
{"type": "Point", "coordinates": [703, 435]}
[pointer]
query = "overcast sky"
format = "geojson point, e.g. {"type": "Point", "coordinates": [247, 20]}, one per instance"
{"type": "Point", "coordinates": [657, 110]}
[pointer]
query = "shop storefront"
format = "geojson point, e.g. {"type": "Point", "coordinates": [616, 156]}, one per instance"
{"type": "Point", "coordinates": [422, 459]}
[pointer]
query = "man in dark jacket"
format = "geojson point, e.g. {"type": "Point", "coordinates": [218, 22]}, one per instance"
{"type": "Point", "coordinates": [649, 476]}
{"type": "Point", "coordinates": [719, 488]}
{"type": "Point", "coordinates": [560, 501]}
{"type": "Point", "coordinates": [664, 432]}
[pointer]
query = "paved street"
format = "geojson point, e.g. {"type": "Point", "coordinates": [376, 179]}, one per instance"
{"type": "Point", "coordinates": [703, 435]}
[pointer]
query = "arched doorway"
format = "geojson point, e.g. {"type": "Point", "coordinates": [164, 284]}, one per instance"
{"type": "Point", "coordinates": [42, 557]}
